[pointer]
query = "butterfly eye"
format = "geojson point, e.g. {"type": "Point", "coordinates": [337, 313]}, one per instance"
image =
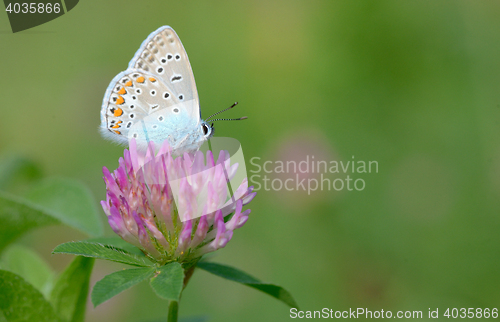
{"type": "Point", "coordinates": [206, 129]}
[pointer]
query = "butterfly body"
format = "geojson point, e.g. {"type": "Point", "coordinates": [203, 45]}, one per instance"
{"type": "Point", "coordinates": [155, 99]}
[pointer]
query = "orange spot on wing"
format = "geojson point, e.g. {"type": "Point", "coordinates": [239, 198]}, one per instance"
{"type": "Point", "coordinates": [118, 112]}
{"type": "Point", "coordinates": [122, 91]}
{"type": "Point", "coordinates": [152, 79]}
{"type": "Point", "coordinates": [117, 132]}
{"type": "Point", "coordinates": [117, 125]}
{"type": "Point", "coordinates": [129, 83]}
{"type": "Point", "coordinates": [120, 100]}
{"type": "Point", "coordinates": [140, 79]}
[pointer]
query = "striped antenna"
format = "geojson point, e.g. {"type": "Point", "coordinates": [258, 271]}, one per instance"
{"type": "Point", "coordinates": [235, 103]}
{"type": "Point", "coordinates": [240, 118]}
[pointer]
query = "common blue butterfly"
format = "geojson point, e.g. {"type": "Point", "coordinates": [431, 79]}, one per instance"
{"type": "Point", "coordinates": [155, 99]}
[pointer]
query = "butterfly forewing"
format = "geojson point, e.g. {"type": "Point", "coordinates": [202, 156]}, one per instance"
{"type": "Point", "coordinates": [163, 55]}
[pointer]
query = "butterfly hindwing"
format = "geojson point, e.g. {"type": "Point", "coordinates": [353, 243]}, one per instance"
{"type": "Point", "coordinates": [132, 96]}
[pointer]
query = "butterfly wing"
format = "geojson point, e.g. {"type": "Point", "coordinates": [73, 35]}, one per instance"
{"type": "Point", "coordinates": [162, 54]}
{"type": "Point", "coordinates": [156, 97]}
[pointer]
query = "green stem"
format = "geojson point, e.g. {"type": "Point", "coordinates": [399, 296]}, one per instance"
{"type": "Point", "coordinates": [173, 308]}
{"type": "Point", "coordinates": [187, 275]}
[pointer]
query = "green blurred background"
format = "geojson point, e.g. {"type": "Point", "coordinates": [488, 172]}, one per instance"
{"type": "Point", "coordinates": [414, 85]}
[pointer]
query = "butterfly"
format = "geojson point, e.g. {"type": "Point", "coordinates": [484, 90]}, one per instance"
{"type": "Point", "coordinates": [155, 99]}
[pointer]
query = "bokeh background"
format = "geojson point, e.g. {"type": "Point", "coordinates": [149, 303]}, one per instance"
{"type": "Point", "coordinates": [414, 85]}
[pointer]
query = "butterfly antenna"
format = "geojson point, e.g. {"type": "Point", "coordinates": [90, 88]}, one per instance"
{"type": "Point", "coordinates": [240, 118]}
{"type": "Point", "coordinates": [235, 103]}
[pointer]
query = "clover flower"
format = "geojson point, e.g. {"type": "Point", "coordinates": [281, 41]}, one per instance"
{"type": "Point", "coordinates": [174, 209]}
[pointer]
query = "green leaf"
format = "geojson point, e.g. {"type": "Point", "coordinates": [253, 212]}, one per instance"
{"type": "Point", "coordinates": [236, 275]}
{"type": "Point", "coordinates": [15, 169]}
{"type": "Point", "coordinates": [69, 296]}
{"type": "Point", "coordinates": [118, 282]}
{"type": "Point", "coordinates": [20, 301]}
{"type": "Point", "coordinates": [100, 251]}
{"type": "Point", "coordinates": [18, 216]}
{"type": "Point", "coordinates": [69, 201]}
{"type": "Point", "coordinates": [117, 242]}
{"type": "Point", "coordinates": [27, 264]}
{"type": "Point", "coordinates": [168, 281]}
{"type": "Point", "coordinates": [52, 202]}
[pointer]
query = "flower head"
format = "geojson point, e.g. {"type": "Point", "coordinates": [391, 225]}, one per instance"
{"type": "Point", "coordinates": [175, 209]}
